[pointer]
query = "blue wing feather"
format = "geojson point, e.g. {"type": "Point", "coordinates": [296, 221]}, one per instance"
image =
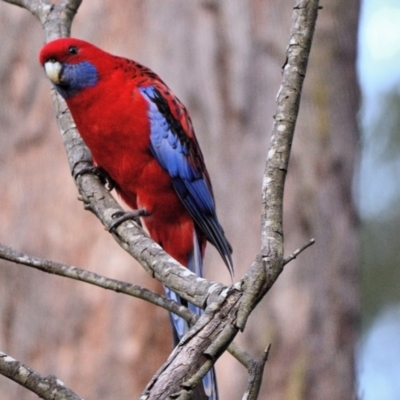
{"type": "Point", "coordinates": [179, 155]}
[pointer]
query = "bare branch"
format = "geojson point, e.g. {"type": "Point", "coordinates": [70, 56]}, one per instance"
{"type": "Point", "coordinates": [56, 18]}
{"type": "Point", "coordinates": [27, 4]}
{"type": "Point", "coordinates": [256, 372]}
{"type": "Point", "coordinates": [48, 388]}
{"type": "Point", "coordinates": [67, 271]}
{"type": "Point", "coordinates": [241, 355]}
{"type": "Point", "coordinates": [219, 325]}
{"type": "Point", "coordinates": [198, 349]}
{"type": "Point", "coordinates": [269, 265]}
{"type": "Point", "coordinates": [298, 251]}
{"type": "Point", "coordinates": [288, 102]}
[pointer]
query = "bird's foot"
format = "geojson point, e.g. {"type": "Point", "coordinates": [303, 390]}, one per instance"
{"type": "Point", "coordinates": [122, 216]}
{"type": "Point", "coordinates": [102, 174]}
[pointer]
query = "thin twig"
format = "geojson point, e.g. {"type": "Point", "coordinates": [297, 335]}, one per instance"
{"type": "Point", "coordinates": [298, 251]}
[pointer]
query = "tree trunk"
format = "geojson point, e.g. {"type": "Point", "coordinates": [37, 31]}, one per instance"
{"type": "Point", "coordinates": [223, 59]}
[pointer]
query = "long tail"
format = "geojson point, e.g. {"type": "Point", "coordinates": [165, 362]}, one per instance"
{"type": "Point", "coordinates": [209, 389]}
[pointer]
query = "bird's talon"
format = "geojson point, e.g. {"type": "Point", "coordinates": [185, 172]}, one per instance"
{"type": "Point", "coordinates": [121, 216]}
{"type": "Point", "coordinates": [104, 177]}
{"type": "Point", "coordinates": [83, 171]}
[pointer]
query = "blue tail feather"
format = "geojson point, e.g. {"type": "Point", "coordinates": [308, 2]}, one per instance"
{"type": "Point", "coordinates": [181, 327]}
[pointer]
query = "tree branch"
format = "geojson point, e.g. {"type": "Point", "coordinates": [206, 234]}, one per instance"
{"type": "Point", "coordinates": [67, 271]}
{"type": "Point", "coordinates": [269, 264]}
{"type": "Point", "coordinates": [256, 371]}
{"type": "Point", "coordinates": [288, 102]}
{"type": "Point", "coordinates": [198, 349]}
{"type": "Point", "coordinates": [48, 388]}
{"type": "Point", "coordinates": [56, 18]}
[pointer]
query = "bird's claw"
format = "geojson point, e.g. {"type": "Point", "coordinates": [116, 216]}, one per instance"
{"type": "Point", "coordinates": [103, 175]}
{"type": "Point", "coordinates": [122, 216]}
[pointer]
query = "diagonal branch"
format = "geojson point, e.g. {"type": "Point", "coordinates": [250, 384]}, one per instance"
{"type": "Point", "coordinates": [67, 271]}
{"type": "Point", "coordinates": [297, 252]}
{"type": "Point", "coordinates": [46, 387]}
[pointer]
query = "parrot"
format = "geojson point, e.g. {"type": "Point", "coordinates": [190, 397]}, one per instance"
{"type": "Point", "coordinates": [142, 136]}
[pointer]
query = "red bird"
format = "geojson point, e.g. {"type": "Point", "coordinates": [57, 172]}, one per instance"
{"type": "Point", "coordinates": [142, 136]}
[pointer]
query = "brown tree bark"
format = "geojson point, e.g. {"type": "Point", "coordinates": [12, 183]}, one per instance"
{"type": "Point", "coordinates": [223, 59]}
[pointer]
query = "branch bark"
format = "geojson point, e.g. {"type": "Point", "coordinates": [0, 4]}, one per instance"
{"type": "Point", "coordinates": [68, 271]}
{"type": "Point", "coordinates": [46, 387]}
{"type": "Point", "coordinates": [269, 264]}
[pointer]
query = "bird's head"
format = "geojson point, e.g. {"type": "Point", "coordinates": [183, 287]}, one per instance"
{"type": "Point", "coordinates": [70, 64]}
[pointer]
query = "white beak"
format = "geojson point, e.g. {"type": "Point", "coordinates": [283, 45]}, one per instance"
{"type": "Point", "coordinates": [53, 71]}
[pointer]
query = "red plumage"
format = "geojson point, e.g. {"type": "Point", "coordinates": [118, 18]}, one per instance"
{"type": "Point", "coordinates": [142, 136]}
{"type": "Point", "coordinates": [112, 119]}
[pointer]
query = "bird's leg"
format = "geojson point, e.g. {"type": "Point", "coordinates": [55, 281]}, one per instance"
{"type": "Point", "coordinates": [102, 174]}
{"type": "Point", "coordinates": [122, 216]}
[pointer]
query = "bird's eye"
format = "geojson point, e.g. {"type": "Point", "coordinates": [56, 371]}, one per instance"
{"type": "Point", "coordinates": [73, 50]}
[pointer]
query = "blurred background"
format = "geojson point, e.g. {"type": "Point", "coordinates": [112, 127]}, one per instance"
{"type": "Point", "coordinates": [334, 311]}
{"type": "Point", "coordinates": [378, 192]}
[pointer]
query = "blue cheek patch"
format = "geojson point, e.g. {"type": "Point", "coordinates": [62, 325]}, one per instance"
{"type": "Point", "coordinates": [77, 77]}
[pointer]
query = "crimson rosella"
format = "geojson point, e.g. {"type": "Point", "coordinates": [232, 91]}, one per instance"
{"type": "Point", "coordinates": [142, 136]}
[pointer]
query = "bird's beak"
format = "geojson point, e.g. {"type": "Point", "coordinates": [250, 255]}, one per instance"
{"type": "Point", "coordinates": [53, 71]}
